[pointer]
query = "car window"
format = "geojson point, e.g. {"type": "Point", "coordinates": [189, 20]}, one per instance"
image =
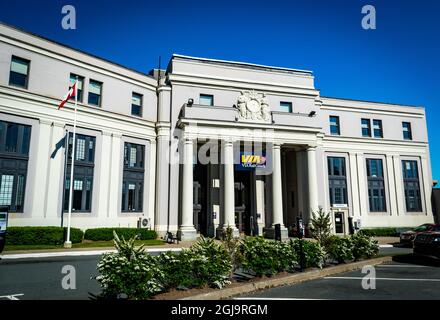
{"type": "Point", "coordinates": [421, 228]}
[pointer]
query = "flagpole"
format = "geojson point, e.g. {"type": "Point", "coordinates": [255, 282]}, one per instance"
{"type": "Point", "coordinates": [68, 243]}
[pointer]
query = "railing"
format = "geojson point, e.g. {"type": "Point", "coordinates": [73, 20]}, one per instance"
{"type": "Point", "coordinates": [230, 114]}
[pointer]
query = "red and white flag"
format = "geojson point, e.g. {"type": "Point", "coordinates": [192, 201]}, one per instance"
{"type": "Point", "coordinates": [69, 95]}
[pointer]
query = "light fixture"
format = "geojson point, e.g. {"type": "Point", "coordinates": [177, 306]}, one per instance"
{"type": "Point", "coordinates": [312, 113]}
{"type": "Point", "coordinates": [190, 101]}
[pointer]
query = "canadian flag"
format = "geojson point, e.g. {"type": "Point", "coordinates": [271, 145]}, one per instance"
{"type": "Point", "coordinates": [69, 95]}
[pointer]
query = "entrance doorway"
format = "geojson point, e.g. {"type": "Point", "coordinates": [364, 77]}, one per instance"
{"type": "Point", "coordinates": [202, 217]}
{"type": "Point", "coordinates": [245, 215]}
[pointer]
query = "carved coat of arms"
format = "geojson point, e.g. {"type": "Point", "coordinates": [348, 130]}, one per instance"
{"type": "Point", "coordinates": [253, 106]}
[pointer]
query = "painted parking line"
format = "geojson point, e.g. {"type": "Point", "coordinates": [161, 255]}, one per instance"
{"type": "Point", "coordinates": [264, 298]}
{"type": "Point", "coordinates": [386, 279]}
{"type": "Point", "coordinates": [12, 296]}
{"type": "Point", "coordinates": [75, 253]}
{"type": "Point", "coordinates": [399, 266]}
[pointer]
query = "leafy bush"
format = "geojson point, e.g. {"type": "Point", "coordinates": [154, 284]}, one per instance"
{"type": "Point", "coordinates": [364, 246]}
{"type": "Point", "coordinates": [211, 263]}
{"type": "Point", "coordinates": [340, 249]}
{"type": "Point", "coordinates": [130, 271]}
{"type": "Point", "coordinates": [177, 269]}
{"type": "Point", "coordinates": [266, 257]}
{"type": "Point", "coordinates": [314, 253]}
{"type": "Point", "coordinates": [320, 226]}
{"type": "Point", "coordinates": [232, 246]}
{"type": "Point", "coordinates": [205, 263]}
{"type": "Point", "coordinates": [106, 234]}
{"type": "Point", "coordinates": [41, 235]}
{"type": "Point", "coordinates": [384, 232]}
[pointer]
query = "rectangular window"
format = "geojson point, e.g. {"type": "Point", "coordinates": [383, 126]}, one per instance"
{"type": "Point", "coordinates": [95, 91]}
{"type": "Point", "coordinates": [334, 125]}
{"type": "Point", "coordinates": [206, 100]}
{"type": "Point", "coordinates": [337, 180]}
{"type": "Point", "coordinates": [366, 127]}
{"type": "Point", "coordinates": [14, 157]}
{"type": "Point", "coordinates": [411, 183]}
{"type": "Point", "coordinates": [407, 132]}
{"type": "Point", "coordinates": [376, 185]}
{"type": "Point", "coordinates": [19, 73]}
{"type": "Point", "coordinates": [377, 128]}
{"type": "Point", "coordinates": [136, 104]}
{"type": "Point", "coordinates": [80, 86]}
{"type": "Point", "coordinates": [286, 106]}
{"type": "Point", "coordinates": [83, 173]}
{"type": "Point", "coordinates": [133, 181]}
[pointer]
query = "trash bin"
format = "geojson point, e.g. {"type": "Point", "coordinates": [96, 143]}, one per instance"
{"type": "Point", "coordinates": [3, 226]}
{"type": "Point", "coordinates": [278, 232]}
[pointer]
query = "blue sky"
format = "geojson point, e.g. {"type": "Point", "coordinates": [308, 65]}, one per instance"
{"type": "Point", "coordinates": [397, 62]}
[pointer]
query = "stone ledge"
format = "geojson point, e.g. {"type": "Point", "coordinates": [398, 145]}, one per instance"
{"type": "Point", "coordinates": [288, 280]}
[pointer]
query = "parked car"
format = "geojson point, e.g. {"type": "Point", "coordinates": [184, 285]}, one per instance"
{"type": "Point", "coordinates": [428, 243]}
{"type": "Point", "coordinates": [407, 237]}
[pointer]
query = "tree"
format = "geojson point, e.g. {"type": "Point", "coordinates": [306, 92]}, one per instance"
{"type": "Point", "coordinates": [320, 226]}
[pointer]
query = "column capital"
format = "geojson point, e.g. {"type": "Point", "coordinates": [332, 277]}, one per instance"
{"type": "Point", "coordinates": [58, 124]}
{"type": "Point", "coordinates": [46, 122]}
{"type": "Point", "coordinates": [188, 140]}
{"type": "Point", "coordinates": [311, 148]}
{"type": "Point", "coordinates": [227, 141]}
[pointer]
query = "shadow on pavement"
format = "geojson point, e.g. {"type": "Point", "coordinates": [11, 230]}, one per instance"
{"type": "Point", "coordinates": [419, 260]}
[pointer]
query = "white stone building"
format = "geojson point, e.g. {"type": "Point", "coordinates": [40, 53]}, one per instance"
{"type": "Point", "coordinates": [209, 144]}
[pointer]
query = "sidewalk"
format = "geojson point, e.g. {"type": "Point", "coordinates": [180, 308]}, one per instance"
{"type": "Point", "coordinates": [48, 253]}
{"type": "Point", "coordinates": [387, 242]}
{"type": "Point", "coordinates": [384, 242]}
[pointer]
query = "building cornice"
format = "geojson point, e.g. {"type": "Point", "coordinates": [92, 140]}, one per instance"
{"type": "Point", "coordinates": [238, 84]}
{"type": "Point", "coordinates": [122, 75]}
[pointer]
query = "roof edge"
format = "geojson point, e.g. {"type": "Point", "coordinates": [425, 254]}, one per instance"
{"type": "Point", "coordinates": [244, 64]}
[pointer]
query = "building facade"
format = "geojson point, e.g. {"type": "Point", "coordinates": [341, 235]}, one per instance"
{"type": "Point", "coordinates": [200, 146]}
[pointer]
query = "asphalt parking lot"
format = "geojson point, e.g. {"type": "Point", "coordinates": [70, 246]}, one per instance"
{"type": "Point", "coordinates": [407, 277]}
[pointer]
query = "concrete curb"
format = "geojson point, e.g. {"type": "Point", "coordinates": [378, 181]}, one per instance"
{"type": "Point", "coordinates": [288, 280]}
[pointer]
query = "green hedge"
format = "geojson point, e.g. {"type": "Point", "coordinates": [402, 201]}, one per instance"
{"type": "Point", "coordinates": [106, 234]}
{"type": "Point", "coordinates": [384, 232]}
{"type": "Point", "coordinates": [41, 235]}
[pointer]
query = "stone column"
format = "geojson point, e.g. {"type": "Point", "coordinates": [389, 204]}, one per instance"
{"type": "Point", "coordinates": [363, 192]}
{"type": "Point", "coordinates": [54, 194]}
{"type": "Point", "coordinates": [228, 185]}
{"type": "Point", "coordinates": [391, 185]}
{"type": "Point", "coordinates": [277, 191]}
{"type": "Point", "coordinates": [186, 229]}
{"type": "Point", "coordinates": [313, 183]}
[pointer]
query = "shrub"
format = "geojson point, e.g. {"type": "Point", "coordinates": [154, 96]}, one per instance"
{"type": "Point", "coordinates": [106, 234]}
{"type": "Point", "coordinates": [266, 257]}
{"type": "Point", "coordinates": [177, 269]}
{"type": "Point", "coordinates": [211, 263]}
{"type": "Point", "coordinates": [320, 226]}
{"type": "Point", "coordinates": [340, 249]}
{"type": "Point", "coordinates": [129, 271]}
{"type": "Point", "coordinates": [205, 263]}
{"type": "Point", "coordinates": [364, 246]}
{"type": "Point", "coordinates": [314, 253]}
{"type": "Point", "coordinates": [384, 232]}
{"type": "Point", "coordinates": [232, 246]}
{"type": "Point", "coordinates": [41, 235]}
